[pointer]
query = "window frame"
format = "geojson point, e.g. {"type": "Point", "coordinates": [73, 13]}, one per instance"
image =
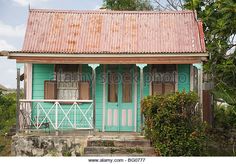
{"type": "Point", "coordinates": [78, 80]}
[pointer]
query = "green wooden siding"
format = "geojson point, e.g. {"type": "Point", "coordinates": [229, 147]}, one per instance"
{"type": "Point", "coordinates": [184, 77]}
{"type": "Point", "coordinates": [42, 72]}
{"type": "Point", "coordinates": [99, 97]}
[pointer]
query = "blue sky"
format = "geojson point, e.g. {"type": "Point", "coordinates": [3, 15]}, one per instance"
{"type": "Point", "coordinates": [13, 18]}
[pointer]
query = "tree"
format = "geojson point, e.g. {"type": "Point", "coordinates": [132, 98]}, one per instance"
{"type": "Point", "coordinates": [168, 4]}
{"type": "Point", "coordinates": [131, 5]}
{"type": "Point", "coordinates": [7, 111]}
{"type": "Point", "coordinates": [219, 18]}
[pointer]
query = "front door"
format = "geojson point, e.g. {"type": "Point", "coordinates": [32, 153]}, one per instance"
{"type": "Point", "coordinates": [120, 98]}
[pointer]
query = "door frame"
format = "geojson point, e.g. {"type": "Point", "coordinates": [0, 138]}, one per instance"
{"type": "Point", "coordinates": [134, 97]}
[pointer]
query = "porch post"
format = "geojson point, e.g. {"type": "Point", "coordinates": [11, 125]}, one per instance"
{"type": "Point", "coordinates": [141, 66]}
{"type": "Point", "coordinates": [94, 66]}
{"type": "Point", "coordinates": [18, 100]}
{"type": "Point", "coordinates": [200, 81]}
{"type": "Point", "coordinates": [200, 88]}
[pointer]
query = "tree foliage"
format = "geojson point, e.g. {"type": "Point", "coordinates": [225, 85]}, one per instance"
{"type": "Point", "coordinates": [168, 4]}
{"type": "Point", "coordinates": [131, 5]}
{"type": "Point", "coordinates": [7, 112]}
{"type": "Point", "coordinates": [219, 18]}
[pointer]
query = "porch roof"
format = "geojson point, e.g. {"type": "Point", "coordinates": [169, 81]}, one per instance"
{"type": "Point", "coordinates": [64, 58]}
{"type": "Point", "coordinates": [113, 32]}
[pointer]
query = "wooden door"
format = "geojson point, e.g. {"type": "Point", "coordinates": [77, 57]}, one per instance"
{"type": "Point", "coordinates": [120, 98]}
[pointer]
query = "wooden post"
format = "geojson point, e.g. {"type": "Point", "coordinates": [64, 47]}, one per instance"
{"type": "Point", "coordinates": [141, 95]}
{"type": "Point", "coordinates": [200, 81]}
{"type": "Point", "coordinates": [104, 98]}
{"type": "Point", "coordinates": [94, 98]}
{"type": "Point", "coordinates": [200, 90]}
{"type": "Point", "coordinates": [135, 99]}
{"type": "Point", "coordinates": [141, 66]}
{"type": "Point", "coordinates": [18, 100]}
{"type": "Point", "coordinates": [94, 66]}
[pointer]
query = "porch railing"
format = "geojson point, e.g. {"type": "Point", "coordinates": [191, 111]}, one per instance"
{"type": "Point", "coordinates": [56, 114]}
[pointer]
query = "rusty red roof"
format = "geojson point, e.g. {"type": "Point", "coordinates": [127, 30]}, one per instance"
{"type": "Point", "coordinates": [59, 31]}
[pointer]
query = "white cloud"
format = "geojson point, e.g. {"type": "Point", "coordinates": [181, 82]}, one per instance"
{"type": "Point", "coordinates": [11, 31]}
{"type": "Point", "coordinates": [8, 71]}
{"type": "Point", "coordinates": [5, 46]}
{"type": "Point", "coordinates": [27, 2]}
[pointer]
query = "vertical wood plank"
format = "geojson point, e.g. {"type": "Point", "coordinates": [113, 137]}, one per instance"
{"type": "Point", "coordinates": [18, 99]}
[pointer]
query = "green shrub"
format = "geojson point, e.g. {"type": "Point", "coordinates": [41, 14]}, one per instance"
{"type": "Point", "coordinates": [7, 112]}
{"type": "Point", "coordinates": [173, 125]}
{"type": "Point", "coordinates": [225, 117]}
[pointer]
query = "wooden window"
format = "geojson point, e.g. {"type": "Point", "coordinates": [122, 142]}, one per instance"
{"type": "Point", "coordinates": [84, 88]}
{"type": "Point", "coordinates": [67, 90]}
{"type": "Point", "coordinates": [195, 79]}
{"type": "Point", "coordinates": [67, 81]}
{"type": "Point", "coordinates": [112, 87]}
{"type": "Point", "coordinates": [163, 79]}
{"type": "Point", "coordinates": [126, 86]}
{"type": "Point", "coordinates": [156, 88]}
{"type": "Point", "coordinates": [67, 84]}
{"type": "Point", "coordinates": [50, 90]}
{"type": "Point", "coordinates": [127, 92]}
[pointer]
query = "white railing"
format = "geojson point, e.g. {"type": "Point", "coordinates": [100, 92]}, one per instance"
{"type": "Point", "coordinates": [56, 114]}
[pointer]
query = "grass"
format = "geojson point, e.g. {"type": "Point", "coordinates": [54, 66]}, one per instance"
{"type": "Point", "coordinates": [221, 143]}
{"type": "Point", "coordinates": [5, 146]}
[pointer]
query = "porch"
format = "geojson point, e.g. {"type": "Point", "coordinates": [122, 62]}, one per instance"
{"type": "Point", "coordinates": [91, 98]}
{"type": "Point", "coordinates": [55, 115]}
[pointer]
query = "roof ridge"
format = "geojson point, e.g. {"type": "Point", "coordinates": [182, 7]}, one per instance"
{"type": "Point", "coordinates": [109, 11]}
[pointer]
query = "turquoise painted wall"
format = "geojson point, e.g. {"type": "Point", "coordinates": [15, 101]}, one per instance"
{"type": "Point", "coordinates": [184, 77]}
{"type": "Point", "coordinates": [42, 72]}
{"type": "Point", "coordinates": [99, 97]}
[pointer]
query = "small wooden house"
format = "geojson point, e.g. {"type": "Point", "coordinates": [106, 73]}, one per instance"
{"type": "Point", "coordinates": [90, 69]}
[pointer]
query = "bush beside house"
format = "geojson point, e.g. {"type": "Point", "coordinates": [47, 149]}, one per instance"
{"type": "Point", "coordinates": [173, 124]}
{"type": "Point", "coordinates": [7, 120]}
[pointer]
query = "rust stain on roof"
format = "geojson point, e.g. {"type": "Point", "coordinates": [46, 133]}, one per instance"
{"type": "Point", "coordinates": [59, 31]}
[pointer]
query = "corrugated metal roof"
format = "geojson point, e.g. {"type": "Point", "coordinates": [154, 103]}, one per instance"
{"type": "Point", "coordinates": [57, 31]}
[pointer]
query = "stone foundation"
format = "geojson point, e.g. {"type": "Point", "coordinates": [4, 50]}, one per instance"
{"type": "Point", "coordinates": [36, 145]}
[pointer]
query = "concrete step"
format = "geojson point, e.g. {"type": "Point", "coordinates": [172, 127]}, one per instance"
{"type": "Point", "coordinates": [118, 143]}
{"type": "Point", "coordinates": [119, 155]}
{"type": "Point", "coordinates": [116, 137]}
{"type": "Point", "coordinates": [127, 151]}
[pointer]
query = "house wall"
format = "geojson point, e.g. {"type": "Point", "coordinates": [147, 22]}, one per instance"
{"type": "Point", "coordinates": [99, 97]}
{"type": "Point", "coordinates": [184, 77]}
{"type": "Point", "coordinates": [42, 72]}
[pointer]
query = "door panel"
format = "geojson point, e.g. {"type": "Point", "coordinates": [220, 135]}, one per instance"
{"type": "Point", "coordinates": [112, 114]}
{"type": "Point", "coordinates": [127, 98]}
